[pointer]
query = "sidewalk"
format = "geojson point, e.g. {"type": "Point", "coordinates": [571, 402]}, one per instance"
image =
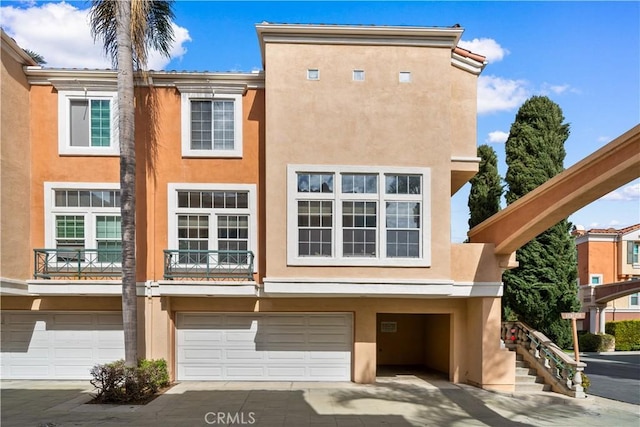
{"type": "Point", "coordinates": [400, 401]}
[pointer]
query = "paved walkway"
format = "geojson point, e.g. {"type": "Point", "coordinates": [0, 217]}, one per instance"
{"type": "Point", "coordinates": [399, 401]}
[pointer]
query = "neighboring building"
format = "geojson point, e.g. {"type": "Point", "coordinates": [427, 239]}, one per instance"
{"type": "Point", "coordinates": [293, 224]}
{"type": "Point", "coordinates": [607, 256]}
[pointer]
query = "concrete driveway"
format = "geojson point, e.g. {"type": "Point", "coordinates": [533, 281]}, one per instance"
{"type": "Point", "coordinates": [398, 401]}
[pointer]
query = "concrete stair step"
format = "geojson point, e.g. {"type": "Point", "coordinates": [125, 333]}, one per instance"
{"type": "Point", "coordinates": [528, 379]}
{"type": "Point", "coordinates": [531, 387]}
{"type": "Point", "coordinates": [525, 371]}
{"type": "Point", "coordinates": [522, 364]}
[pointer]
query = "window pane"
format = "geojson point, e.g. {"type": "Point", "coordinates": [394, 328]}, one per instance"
{"type": "Point", "coordinates": [315, 219]}
{"type": "Point", "coordinates": [315, 183]}
{"type": "Point", "coordinates": [80, 118]}
{"type": "Point", "coordinates": [359, 183]}
{"type": "Point", "coordinates": [403, 184]}
{"type": "Point", "coordinates": [193, 234]}
{"type": "Point", "coordinates": [223, 125]}
{"type": "Point", "coordinates": [201, 125]}
{"type": "Point", "coordinates": [233, 232]}
{"type": "Point", "coordinates": [100, 123]}
{"type": "Point", "coordinates": [108, 227]}
{"type": "Point", "coordinates": [359, 228]}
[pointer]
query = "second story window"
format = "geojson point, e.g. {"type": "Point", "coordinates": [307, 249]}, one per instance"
{"type": "Point", "coordinates": [358, 75]}
{"type": "Point", "coordinates": [358, 216]}
{"type": "Point", "coordinates": [633, 253]}
{"type": "Point", "coordinates": [87, 123]}
{"type": "Point", "coordinates": [206, 219]}
{"type": "Point", "coordinates": [211, 125]}
{"type": "Point", "coordinates": [83, 220]}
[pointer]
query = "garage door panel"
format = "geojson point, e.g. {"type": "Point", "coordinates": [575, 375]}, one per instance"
{"type": "Point", "coordinates": [286, 356]}
{"type": "Point", "coordinates": [243, 372]}
{"type": "Point", "coordinates": [247, 355]}
{"type": "Point", "coordinates": [59, 345]}
{"type": "Point", "coordinates": [330, 320]}
{"type": "Point", "coordinates": [202, 354]}
{"type": "Point", "coordinates": [265, 346]}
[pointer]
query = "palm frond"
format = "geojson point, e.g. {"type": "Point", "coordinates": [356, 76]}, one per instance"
{"type": "Point", "coordinates": [151, 28]}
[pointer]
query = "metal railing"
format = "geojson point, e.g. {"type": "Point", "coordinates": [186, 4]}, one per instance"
{"type": "Point", "coordinates": [560, 370]}
{"type": "Point", "coordinates": [208, 265]}
{"type": "Point", "coordinates": [77, 263]}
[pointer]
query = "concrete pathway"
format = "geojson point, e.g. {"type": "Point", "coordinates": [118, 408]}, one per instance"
{"type": "Point", "coordinates": [399, 401]}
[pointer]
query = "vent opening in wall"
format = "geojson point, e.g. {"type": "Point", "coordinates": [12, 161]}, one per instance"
{"type": "Point", "coordinates": [404, 77]}
{"type": "Point", "coordinates": [313, 74]}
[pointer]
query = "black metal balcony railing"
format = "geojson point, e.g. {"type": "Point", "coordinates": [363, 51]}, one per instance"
{"type": "Point", "coordinates": [77, 263]}
{"type": "Point", "coordinates": [208, 264]}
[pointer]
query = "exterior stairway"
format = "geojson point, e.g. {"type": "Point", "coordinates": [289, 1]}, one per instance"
{"type": "Point", "coordinates": [527, 379]}
{"type": "Point", "coordinates": [540, 364]}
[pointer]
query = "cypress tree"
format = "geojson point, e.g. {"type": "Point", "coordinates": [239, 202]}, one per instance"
{"type": "Point", "coordinates": [486, 189]}
{"type": "Point", "coordinates": [544, 284]}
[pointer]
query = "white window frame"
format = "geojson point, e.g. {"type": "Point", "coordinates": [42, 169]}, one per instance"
{"type": "Point", "coordinates": [381, 259]}
{"type": "Point", "coordinates": [89, 213]}
{"type": "Point", "coordinates": [64, 127]}
{"type": "Point", "coordinates": [185, 122]}
{"type": "Point", "coordinates": [404, 77]}
{"type": "Point", "coordinates": [357, 74]}
{"type": "Point", "coordinates": [595, 276]}
{"type": "Point", "coordinates": [251, 211]}
{"type": "Point", "coordinates": [313, 70]}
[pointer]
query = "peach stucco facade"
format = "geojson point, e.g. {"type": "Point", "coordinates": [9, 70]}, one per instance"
{"type": "Point", "coordinates": [411, 113]}
{"type": "Point", "coordinates": [606, 256]}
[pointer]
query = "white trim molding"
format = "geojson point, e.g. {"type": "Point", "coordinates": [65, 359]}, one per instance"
{"type": "Point", "coordinates": [340, 287]}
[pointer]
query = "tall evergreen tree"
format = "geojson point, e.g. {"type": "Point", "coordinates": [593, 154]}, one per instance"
{"type": "Point", "coordinates": [544, 284]}
{"type": "Point", "coordinates": [486, 189]}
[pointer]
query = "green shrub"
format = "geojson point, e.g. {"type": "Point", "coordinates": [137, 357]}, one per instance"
{"type": "Point", "coordinates": [586, 382]}
{"type": "Point", "coordinates": [117, 383]}
{"type": "Point", "coordinates": [596, 342]}
{"type": "Point", "coordinates": [627, 333]}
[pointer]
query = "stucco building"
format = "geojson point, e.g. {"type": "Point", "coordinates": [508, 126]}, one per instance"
{"type": "Point", "coordinates": [607, 256]}
{"type": "Point", "coordinates": [293, 224]}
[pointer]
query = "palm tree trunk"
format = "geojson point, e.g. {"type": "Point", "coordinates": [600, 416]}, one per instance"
{"type": "Point", "coordinates": [126, 118]}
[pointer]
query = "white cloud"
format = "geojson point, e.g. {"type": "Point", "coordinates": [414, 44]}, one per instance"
{"type": "Point", "coordinates": [604, 139]}
{"type": "Point", "coordinates": [485, 47]}
{"type": "Point", "coordinates": [549, 88]}
{"type": "Point", "coordinates": [60, 33]}
{"type": "Point", "coordinates": [497, 137]}
{"type": "Point", "coordinates": [628, 193]}
{"type": "Point", "coordinates": [499, 94]}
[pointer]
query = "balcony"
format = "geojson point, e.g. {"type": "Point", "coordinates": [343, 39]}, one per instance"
{"type": "Point", "coordinates": [208, 265]}
{"type": "Point", "coordinates": [77, 264]}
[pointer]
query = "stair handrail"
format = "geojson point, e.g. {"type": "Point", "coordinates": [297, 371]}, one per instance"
{"type": "Point", "coordinates": [563, 370]}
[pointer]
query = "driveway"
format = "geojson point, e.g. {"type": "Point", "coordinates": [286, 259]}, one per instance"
{"type": "Point", "coordinates": [399, 401]}
{"type": "Point", "coordinates": [614, 375]}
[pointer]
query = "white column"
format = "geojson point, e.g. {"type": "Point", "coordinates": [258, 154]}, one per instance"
{"type": "Point", "coordinates": [603, 311]}
{"type": "Point", "coordinates": [593, 318]}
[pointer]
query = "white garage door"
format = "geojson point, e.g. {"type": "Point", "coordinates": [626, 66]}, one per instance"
{"type": "Point", "coordinates": [58, 345]}
{"type": "Point", "coordinates": [276, 347]}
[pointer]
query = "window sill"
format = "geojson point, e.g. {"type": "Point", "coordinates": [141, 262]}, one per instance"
{"type": "Point", "coordinates": [358, 262]}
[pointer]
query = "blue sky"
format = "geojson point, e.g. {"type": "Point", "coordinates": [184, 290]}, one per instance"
{"type": "Point", "coordinates": [583, 55]}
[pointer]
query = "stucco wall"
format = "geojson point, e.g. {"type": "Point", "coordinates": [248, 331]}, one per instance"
{"type": "Point", "coordinates": [15, 186]}
{"type": "Point", "coordinates": [377, 122]}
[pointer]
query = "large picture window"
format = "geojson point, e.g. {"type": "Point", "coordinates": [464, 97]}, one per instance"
{"type": "Point", "coordinates": [358, 216]}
